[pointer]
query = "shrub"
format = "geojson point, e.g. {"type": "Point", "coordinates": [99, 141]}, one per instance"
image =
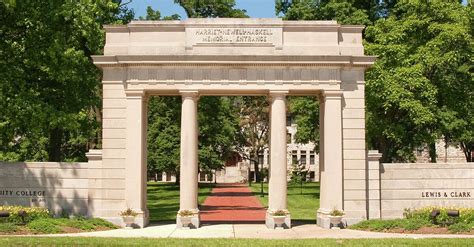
{"type": "Point", "coordinates": [378, 225]}
{"type": "Point", "coordinates": [102, 223]}
{"type": "Point", "coordinates": [8, 228]}
{"type": "Point", "coordinates": [466, 215]}
{"type": "Point", "coordinates": [82, 224]}
{"type": "Point", "coordinates": [459, 227]}
{"type": "Point", "coordinates": [414, 224]}
{"type": "Point", "coordinates": [32, 213]}
{"type": "Point", "coordinates": [47, 226]}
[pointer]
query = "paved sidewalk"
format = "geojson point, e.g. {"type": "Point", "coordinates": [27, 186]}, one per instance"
{"type": "Point", "coordinates": [258, 231]}
{"type": "Point", "coordinates": [232, 203]}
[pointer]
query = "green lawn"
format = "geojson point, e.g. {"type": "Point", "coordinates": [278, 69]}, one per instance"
{"type": "Point", "coordinates": [81, 241]}
{"type": "Point", "coordinates": [163, 200]}
{"type": "Point", "coordinates": [302, 206]}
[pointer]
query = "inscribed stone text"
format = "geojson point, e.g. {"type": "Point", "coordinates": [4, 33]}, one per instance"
{"type": "Point", "coordinates": [439, 194]}
{"type": "Point", "coordinates": [234, 35]}
{"type": "Point", "coordinates": [22, 193]}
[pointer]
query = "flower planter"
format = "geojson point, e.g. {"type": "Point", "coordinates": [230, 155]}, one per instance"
{"type": "Point", "coordinates": [335, 221]}
{"type": "Point", "coordinates": [279, 221]}
{"type": "Point", "coordinates": [129, 221]}
{"type": "Point", "coordinates": [186, 220]}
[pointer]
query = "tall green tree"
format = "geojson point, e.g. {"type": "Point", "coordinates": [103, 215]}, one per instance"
{"type": "Point", "coordinates": [421, 87]}
{"type": "Point", "coordinates": [305, 112]}
{"type": "Point", "coordinates": [48, 84]}
{"type": "Point", "coordinates": [253, 130]}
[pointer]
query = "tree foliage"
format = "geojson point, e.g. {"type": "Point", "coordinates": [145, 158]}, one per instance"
{"type": "Point", "coordinates": [211, 8]}
{"type": "Point", "coordinates": [421, 87]}
{"type": "Point", "coordinates": [305, 112]}
{"type": "Point", "coordinates": [253, 129]}
{"type": "Point", "coordinates": [49, 86]}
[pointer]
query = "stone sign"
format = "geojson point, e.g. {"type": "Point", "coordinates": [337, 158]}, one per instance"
{"type": "Point", "coordinates": [446, 194]}
{"type": "Point", "coordinates": [233, 35]}
{"type": "Point", "coordinates": [22, 193]}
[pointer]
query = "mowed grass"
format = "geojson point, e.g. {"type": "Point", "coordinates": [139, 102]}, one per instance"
{"type": "Point", "coordinates": [302, 204]}
{"type": "Point", "coordinates": [81, 241]}
{"type": "Point", "coordinates": [163, 199]}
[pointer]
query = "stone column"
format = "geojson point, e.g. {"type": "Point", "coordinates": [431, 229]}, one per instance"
{"type": "Point", "coordinates": [331, 196]}
{"type": "Point", "coordinates": [277, 196]}
{"type": "Point", "coordinates": [135, 181]}
{"type": "Point", "coordinates": [188, 189]}
{"type": "Point", "coordinates": [373, 188]}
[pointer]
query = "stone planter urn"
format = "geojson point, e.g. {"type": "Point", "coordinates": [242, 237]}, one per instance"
{"type": "Point", "coordinates": [335, 221]}
{"type": "Point", "coordinates": [279, 221]}
{"type": "Point", "coordinates": [129, 221]}
{"type": "Point", "coordinates": [128, 217]}
{"type": "Point", "coordinates": [186, 221]}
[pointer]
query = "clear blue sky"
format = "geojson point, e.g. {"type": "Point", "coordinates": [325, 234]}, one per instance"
{"type": "Point", "coordinates": [255, 8]}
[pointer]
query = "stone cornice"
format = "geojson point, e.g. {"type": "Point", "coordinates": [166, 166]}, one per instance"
{"type": "Point", "coordinates": [228, 60]}
{"type": "Point", "coordinates": [226, 22]}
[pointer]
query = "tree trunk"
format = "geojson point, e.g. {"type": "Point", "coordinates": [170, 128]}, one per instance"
{"type": "Point", "coordinates": [55, 141]}
{"type": "Point", "coordinates": [467, 152]}
{"type": "Point", "coordinates": [257, 171]}
{"type": "Point", "coordinates": [432, 149]}
{"type": "Point", "coordinates": [445, 150]}
{"type": "Point", "coordinates": [177, 178]}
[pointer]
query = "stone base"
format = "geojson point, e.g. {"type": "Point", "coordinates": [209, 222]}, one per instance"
{"type": "Point", "coordinates": [323, 220]}
{"type": "Point", "coordinates": [140, 222]}
{"type": "Point", "coordinates": [195, 222]}
{"type": "Point", "coordinates": [270, 222]}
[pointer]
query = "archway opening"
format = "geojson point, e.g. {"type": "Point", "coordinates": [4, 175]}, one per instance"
{"type": "Point", "coordinates": [239, 171]}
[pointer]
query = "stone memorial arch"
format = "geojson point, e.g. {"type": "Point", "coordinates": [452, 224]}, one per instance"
{"type": "Point", "coordinates": [216, 57]}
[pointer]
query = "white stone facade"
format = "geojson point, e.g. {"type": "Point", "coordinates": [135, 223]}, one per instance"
{"type": "Point", "coordinates": [267, 57]}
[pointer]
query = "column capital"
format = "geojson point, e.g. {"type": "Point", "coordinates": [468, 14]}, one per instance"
{"type": "Point", "coordinates": [189, 94]}
{"type": "Point", "coordinates": [278, 94]}
{"type": "Point", "coordinates": [134, 93]}
{"type": "Point", "coordinates": [332, 94]}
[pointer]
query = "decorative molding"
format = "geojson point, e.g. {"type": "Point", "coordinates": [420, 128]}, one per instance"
{"type": "Point", "coordinates": [234, 60]}
{"type": "Point", "coordinates": [228, 75]}
{"type": "Point", "coordinates": [134, 94]}
{"type": "Point", "coordinates": [333, 94]}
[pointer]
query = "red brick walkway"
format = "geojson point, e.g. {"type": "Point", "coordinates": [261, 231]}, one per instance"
{"type": "Point", "coordinates": [232, 203]}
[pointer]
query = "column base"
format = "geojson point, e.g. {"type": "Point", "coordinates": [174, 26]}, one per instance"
{"type": "Point", "coordinates": [277, 222]}
{"type": "Point", "coordinates": [188, 222]}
